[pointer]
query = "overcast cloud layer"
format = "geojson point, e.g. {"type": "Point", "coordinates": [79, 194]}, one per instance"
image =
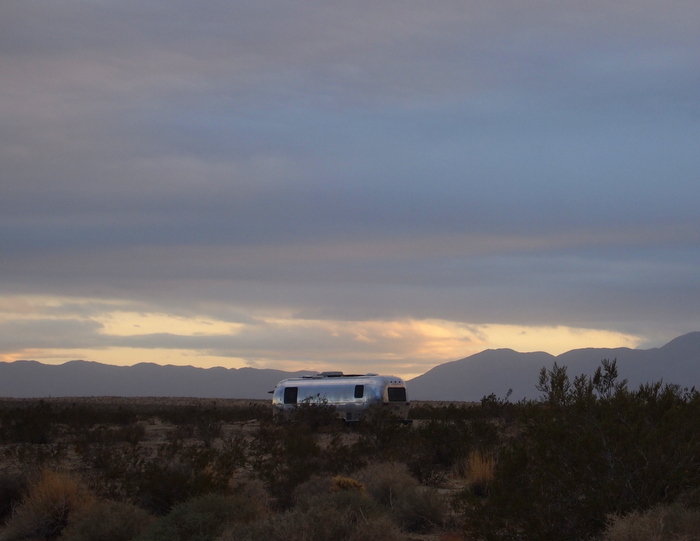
{"type": "Point", "coordinates": [346, 185]}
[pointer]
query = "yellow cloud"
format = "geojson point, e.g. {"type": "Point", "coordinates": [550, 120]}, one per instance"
{"type": "Point", "coordinates": [406, 347]}
{"type": "Point", "coordinates": [136, 323]}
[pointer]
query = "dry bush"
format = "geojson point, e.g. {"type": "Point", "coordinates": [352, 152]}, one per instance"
{"type": "Point", "coordinates": [52, 501]}
{"type": "Point", "coordinates": [346, 483]}
{"type": "Point", "coordinates": [414, 507]}
{"type": "Point", "coordinates": [254, 491]}
{"type": "Point", "coordinates": [425, 510]}
{"type": "Point", "coordinates": [660, 523]}
{"type": "Point", "coordinates": [204, 517]}
{"type": "Point", "coordinates": [348, 515]}
{"type": "Point", "coordinates": [115, 521]}
{"type": "Point", "coordinates": [388, 481]}
{"type": "Point", "coordinates": [314, 487]}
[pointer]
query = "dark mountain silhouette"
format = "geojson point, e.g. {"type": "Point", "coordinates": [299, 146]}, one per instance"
{"type": "Point", "coordinates": [491, 371]}
{"type": "Point", "coordinates": [498, 370]}
{"type": "Point", "coordinates": [26, 379]}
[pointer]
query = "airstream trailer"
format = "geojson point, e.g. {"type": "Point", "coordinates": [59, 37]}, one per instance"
{"type": "Point", "coordinates": [349, 394]}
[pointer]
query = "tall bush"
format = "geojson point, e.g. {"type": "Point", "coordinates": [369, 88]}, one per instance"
{"type": "Point", "coordinates": [590, 448]}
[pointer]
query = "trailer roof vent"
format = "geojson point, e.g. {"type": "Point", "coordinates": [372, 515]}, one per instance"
{"type": "Point", "coordinates": [331, 374]}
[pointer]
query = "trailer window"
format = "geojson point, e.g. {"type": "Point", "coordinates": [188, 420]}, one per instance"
{"type": "Point", "coordinates": [359, 391]}
{"type": "Point", "coordinates": [397, 394]}
{"type": "Point", "coordinates": [290, 395]}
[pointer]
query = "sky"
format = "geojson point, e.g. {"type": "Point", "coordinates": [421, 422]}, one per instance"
{"type": "Point", "coordinates": [368, 186]}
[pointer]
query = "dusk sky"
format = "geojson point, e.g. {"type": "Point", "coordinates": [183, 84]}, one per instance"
{"type": "Point", "coordinates": [367, 186]}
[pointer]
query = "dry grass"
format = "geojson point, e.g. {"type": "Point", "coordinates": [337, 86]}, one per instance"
{"type": "Point", "coordinates": [478, 471]}
{"type": "Point", "coordinates": [52, 500]}
{"type": "Point", "coordinates": [660, 523]}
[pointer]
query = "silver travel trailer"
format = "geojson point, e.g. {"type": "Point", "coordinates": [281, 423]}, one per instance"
{"type": "Point", "coordinates": [349, 394]}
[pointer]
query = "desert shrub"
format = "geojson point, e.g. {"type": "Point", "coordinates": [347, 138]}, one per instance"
{"type": "Point", "coordinates": [103, 434]}
{"type": "Point", "coordinates": [31, 423]}
{"type": "Point", "coordinates": [34, 457]}
{"type": "Point", "coordinates": [436, 447]}
{"type": "Point", "coordinates": [41, 422]}
{"type": "Point", "coordinates": [424, 510]}
{"type": "Point", "coordinates": [490, 407]}
{"type": "Point", "coordinates": [314, 413]}
{"type": "Point", "coordinates": [116, 521]}
{"type": "Point", "coordinates": [387, 481]}
{"type": "Point", "coordinates": [193, 415]}
{"type": "Point", "coordinates": [52, 501]}
{"type": "Point", "coordinates": [412, 506]}
{"type": "Point", "coordinates": [383, 436]}
{"type": "Point", "coordinates": [318, 485]}
{"type": "Point", "coordinates": [313, 487]}
{"type": "Point", "coordinates": [660, 523]}
{"type": "Point", "coordinates": [348, 515]}
{"type": "Point", "coordinates": [255, 493]}
{"type": "Point", "coordinates": [12, 488]}
{"type": "Point", "coordinates": [203, 518]}
{"type": "Point", "coordinates": [284, 457]}
{"type": "Point", "coordinates": [588, 449]}
{"type": "Point", "coordinates": [179, 473]}
{"type": "Point", "coordinates": [340, 456]}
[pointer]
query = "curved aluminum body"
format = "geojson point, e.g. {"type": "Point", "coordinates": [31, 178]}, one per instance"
{"type": "Point", "coordinates": [349, 394]}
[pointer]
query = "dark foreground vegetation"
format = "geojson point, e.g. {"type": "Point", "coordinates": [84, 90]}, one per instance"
{"type": "Point", "coordinates": [590, 459]}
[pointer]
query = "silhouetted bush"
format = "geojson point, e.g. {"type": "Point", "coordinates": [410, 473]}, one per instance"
{"type": "Point", "coordinates": [590, 448]}
{"type": "Point", "coordinates": [180, 472]}
{"type": "Point", "coordinates": [284, 457]}
{"type": "Point", "coordinates": [437, 447]}
{"type": "Point", "coordinates": [12, 488]}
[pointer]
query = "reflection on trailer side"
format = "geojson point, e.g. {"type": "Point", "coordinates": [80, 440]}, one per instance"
{"type": "Point", "coordinates": [349, 394]}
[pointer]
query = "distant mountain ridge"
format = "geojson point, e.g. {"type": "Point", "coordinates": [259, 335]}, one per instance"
{"type": "Point", "coordinates": [498, 370]}
{"type": "Point", "coordinates": [30, 379]}
{"type": "Point", "coordinates": [469, 379]}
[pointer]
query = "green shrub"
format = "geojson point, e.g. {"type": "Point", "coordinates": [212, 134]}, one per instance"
{"type": "Point", "coordinates": [588, 449]}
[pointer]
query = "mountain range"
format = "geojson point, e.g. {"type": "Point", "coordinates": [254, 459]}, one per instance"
{"type": "Point", "coordinates": [492, 371]}
{"type": "Point", "coordinates": [499, 370]}
{"type": "Point", "coordinates": [30, 379]}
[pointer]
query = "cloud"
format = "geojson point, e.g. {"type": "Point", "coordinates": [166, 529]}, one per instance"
{"type": "Point", "coordinates": [406, 346]}
{"type": "Point", "coordinates": [529, 165]}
